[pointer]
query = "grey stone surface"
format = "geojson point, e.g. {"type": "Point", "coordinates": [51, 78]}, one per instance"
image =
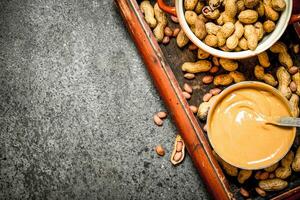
{"type": "Point", "coordinates": [76, 107]}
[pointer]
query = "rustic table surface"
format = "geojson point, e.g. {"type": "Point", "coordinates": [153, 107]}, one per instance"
{"type": "Point", "coordinates": [76, 107]}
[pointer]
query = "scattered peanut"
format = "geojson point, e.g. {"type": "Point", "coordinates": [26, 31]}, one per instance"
{"type": "Point", "coordinates": [161, 18]}
{"type": "Point", "coordinates": [215, 91]}
{"type": "Point", "coordinates": [296, 79]}
{"type": "Point", "coordinates": [158, 121]}
{"type": "Point", "coordinates": [293, 86]}
{"type": "Point", "coordinates": [181, 39]}
{"type": "Point", "coordinates": [189, 76]}
{"type": "Point", "coordinates": [162, 114]}
{"type": "Point", "coordinates": [229, 65]}
{"type": "Point", "coordinates": [260, 192]}
{"type": "Point", "coordinates": [296, 161]}
{"type": "Point", "coordinates": [223, 79]}
{"type": "Point", "coordinates": [207, 97]}
{"type": "Point", "coordinates": [229, 169]}
{"type": "Point", "coordinates": [176, 32]}
{"type": "Point", "coordinates": [194, 109]}
{"type": "Point", "coordinates": [244, 175]}
{"type": "Point", "coordinates": [197, 67]}
{"type": "Point", "coordinates": [204, 108]}
{"type": "Point", "coordinates": [237, 76]}
{"type": "Point", "coordinates": [166, 40]}
{"type": "Point", "coordinates": [293, 70]}
{"type": "Point", "coordinates": [174, 19]}
{"type": "Point", "coordinates": [294, 104]}
{"type": "Point", "coordinates": [296, 48]}
{"type": "Point", "coordinates": [263, 59]}
{"type": "Point", "coordinates": [264, 176]}
{"type": "Point", "coordinates": [160, 150]}
{"type": "Point", "coordinates": [202, 54]}
{"type": "Point", "coordinates": [168, 31]}
{"type": "Point", "coordinates": [207, 79]}
{"type": "Point", "coordinates": [272, 184]}
{"type": "Point", "coordinates": [244, 192]}
{"type": "Point", "coordinates": [188, 88]}
{"type": "Point", "coordinates": [284, 79]}
{"type": "Point", "coordinates": [186, 95]}
{"type": "Point", "coordinates": [271, 168]}
{"type": "Point", "coordinates": [214, 69]}
{"type": "Point", "coordinates": [178, 151]}
{"type": "Point", "coordinates": [192, 47]}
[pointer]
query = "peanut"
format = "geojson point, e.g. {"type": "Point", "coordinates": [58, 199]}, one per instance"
{"type": "Point", "coordinates": [271, 176]}
{"type": "Point", "coordinates": [243, 44]}
{"type": "Point", "coordinates": [296, 79]}
{"type": "Point", "coordinates": [148, 11]}
{"type": "Point", "coordinates": [296, 48]}
{"type": "Point", "coordinates": [160, 150]}
{"type": "Point", "coordinates": [166, 40]}
{"type": "Point", "coordinates": [244, 175]}
{"type": "Point", "coordinates": [186, 95]}
{"type": "Point", "coordinates": [271, 168]}
{"type": "Point", "coordinates": [200, 30]}
{"type": "Point", "coordinates": [272, 184]}
{"type": "Point", "coordinates": [278, 47]}
{"type": "Point", "coordinates": [215, 61]}
{"type": "Point", "coordinates": [212, 14]}
{"type": "Point", "coordinates": [228, 65]}
{"type": "Point", "coordinates": [260, 9]}
{"type": "Point", "coordinates": [205, 127]}
{"type": "Point", "coordinates": [199, 7]}
{"type": "Point", "coordinates": [178, 151]}
{"type": "Point", "coordinates": [294, 104]}
{"type": "Point", "coordinates": [190, 17]}
{"type": "Point", "coordinates": [251, 36]}
{"type": "Point", "coordinates": [227, 29]}
{"type": "Point", "coordinates": [237, 76]}
{"type": "Point", "coordinates": [257, 175]}
{"type": "Point", "coordinates": [259, 30]}
{"type": "Point", "coordinates": [187, 88]}
{"type": "Point", "coordinates": [244, 192]}
{"type": "Point", "coordinates": [189, 76]}
{"type": "Point", "coordinates": [263, 59]}
{"type": "Point", "coordinates": [193, 47]}
{"type": "Point", "coordinates": [232, 42]}
{"type": "Point", "coordinates": [223, 79]}
{"type": "Point", "coordinates": [162, 114]}
{"type": "Point", "coordinates": [181, 39]}
{"type": "Point", "coordinates": [211, 28]}
{"type": "Point", "coordinates": [190, 4]}
{"type": "Point", "coordinates": [158, 121]}
{"type": "Point", "coordinates": [176, 32]}
{"type": "Point", "coordinates": [251, 3]}
{"type": "Point", "coordinates": [296, 161]}
{"type": "Point", "coordinates": [230, 9]}
{"type": "Point", "coordinates": [293, 70]}
{"type": "Point", "coordinates": [207, 97]}
{"type": "Point", "coordinates": [293, 86]}
{"type": "Point", "coordinates": [214, 69]}
{"type": "Point", "coordinates": [204, 108]}
{"type": "Point", "coordinates": [202, 54]}
{"type": "Point", "coordinates": [283, 172]}
{"type": "Point", "coordinates": [259, 73]}
{"type": "Point", "coordinates": [270, 13]}
{"type": "Point", "coordinates": [260, 191]}
{"type": "Point", "coordinates": [278, 5]}
{"type": "Point", "coordinates": [248, 16]}
{"type": "Point", "coordinates": [286, 60]}
{"type": "Point", "coordinates": [207, 79]}
{"type": "Point", "coordinates": [168, 32]}
{"type": "Point", "coordinates": [211, 40]}
{"type": "Point", "coordinates": [194, 109]}
{"type": "Point", "coordinates": [215, 91]}
{"type": "Point", "coordinates": [240, 5]}
{"type": "Point", "coordinates": [161, 18]}
{"type": "Point", "coordinates": [197, 67]}
{"type": "Point", "coordinates": [284, 79]}
{"type": "Point", "coordinates": [174, 19]}
{"type": "Point", "coordinates": [264, 176]}
{"type": "Point", "coordinates": [239, 30]}
{"type": "Point", "coordinates": [269, 26]}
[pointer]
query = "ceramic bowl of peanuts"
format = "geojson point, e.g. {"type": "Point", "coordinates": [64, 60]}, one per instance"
{"type": "Point", "coordinates": [232, 29]}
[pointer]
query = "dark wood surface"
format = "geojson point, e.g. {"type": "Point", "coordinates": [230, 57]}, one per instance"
{"type": "Point", "coordinates": [164, 65]}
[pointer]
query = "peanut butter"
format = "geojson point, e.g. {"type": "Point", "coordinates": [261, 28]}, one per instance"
{"type": "Point", "coordinates": [238, 128]}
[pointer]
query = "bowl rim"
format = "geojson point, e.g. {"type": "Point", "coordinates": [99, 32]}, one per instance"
{"type": "Point", "coordinates": [263, 45]}
{"type": "Point", "coordinates": [237, 86]}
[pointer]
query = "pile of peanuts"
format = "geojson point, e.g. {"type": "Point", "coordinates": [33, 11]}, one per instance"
{"type": "Point", "coordinates": [220, 73]}
{"type": "Point", "coordinates": [232, 25]}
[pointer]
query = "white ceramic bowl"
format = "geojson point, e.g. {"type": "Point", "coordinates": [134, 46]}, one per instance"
{"type": "Point", "coordinates": [263, 45]}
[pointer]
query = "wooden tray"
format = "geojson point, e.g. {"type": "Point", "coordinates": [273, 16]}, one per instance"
{"type": "Point", "coordinates": [163, 64]}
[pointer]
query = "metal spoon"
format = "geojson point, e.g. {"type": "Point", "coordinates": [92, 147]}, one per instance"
{"type": "Point", "coordinates": [284, 121]}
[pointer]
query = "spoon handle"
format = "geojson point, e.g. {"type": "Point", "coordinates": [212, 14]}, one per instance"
{"type": "Point", "coordinates": [288, 121]}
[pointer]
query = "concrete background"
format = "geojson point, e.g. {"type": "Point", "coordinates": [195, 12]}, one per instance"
{"type": "Point", "coordinates": [76, 107]}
